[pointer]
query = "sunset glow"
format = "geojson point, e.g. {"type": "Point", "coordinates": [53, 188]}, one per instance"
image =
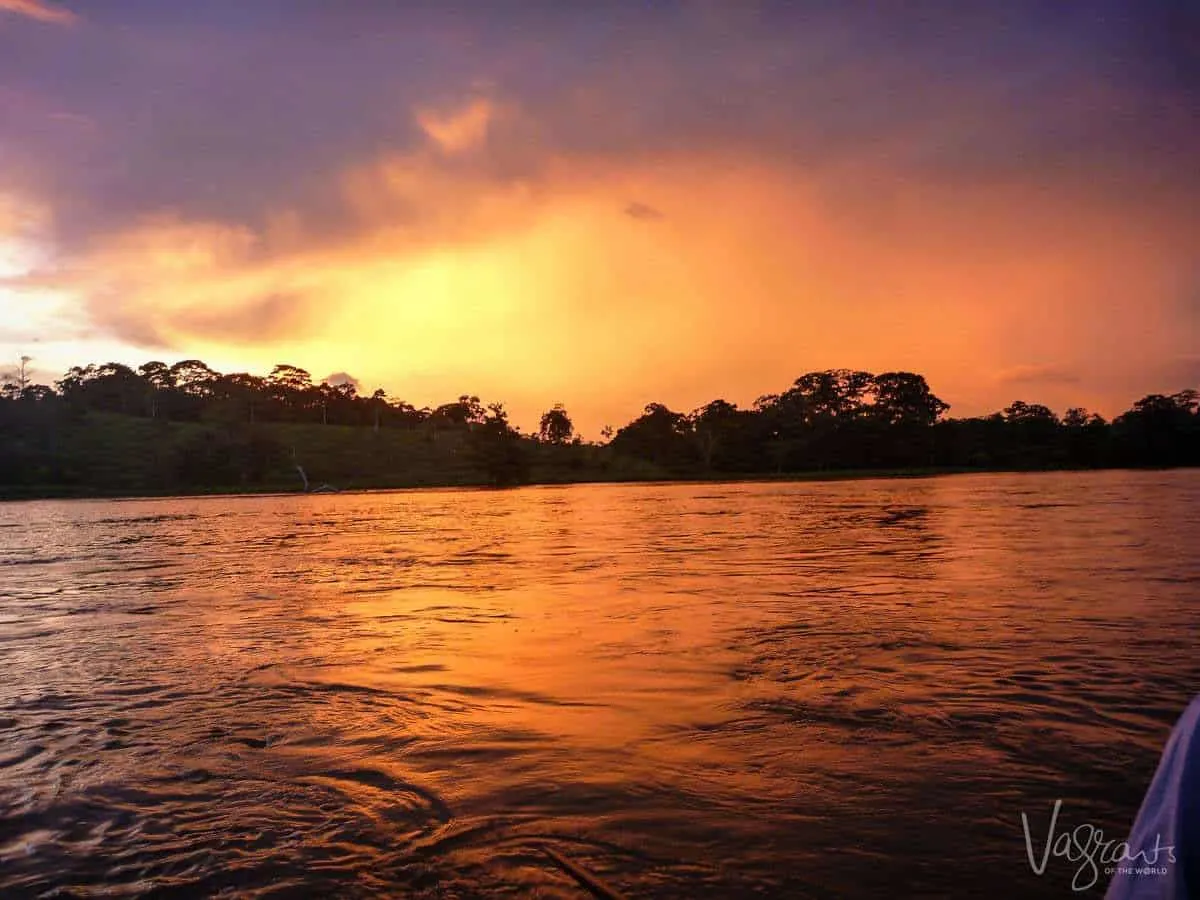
{"type": "Point", "coordinates": [535, 227]}
{"type": "Point", "coordinates": [694, 448]}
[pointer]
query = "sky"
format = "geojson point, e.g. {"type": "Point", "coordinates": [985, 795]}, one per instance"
{"type": "Point", "coordinates": [609, 204]}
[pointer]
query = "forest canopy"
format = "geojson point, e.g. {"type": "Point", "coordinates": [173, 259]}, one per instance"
{"type": "Point", "coordinates": [165, 428]}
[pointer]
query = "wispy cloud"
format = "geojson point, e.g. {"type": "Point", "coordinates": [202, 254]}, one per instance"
{"type": "Point", "coordinates": [1038, 375]}
{"type": "Point", "coordinates": [458, 130]}
{"type": "Point", "coordinates": [639, 210]}
{"type": "Point", "coordinates": [21, 216]}
{"type": "Point", "coordinates": [38, 9]}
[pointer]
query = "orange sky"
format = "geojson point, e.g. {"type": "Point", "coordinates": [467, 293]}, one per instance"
{"type": "Point", "coordinates": [492, 250]}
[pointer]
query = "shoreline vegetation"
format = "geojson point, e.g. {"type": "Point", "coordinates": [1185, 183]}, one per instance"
{"type": "Point", "coordinates": [13, 494]}
{"type": "Point", "coordinates": [187, 430]}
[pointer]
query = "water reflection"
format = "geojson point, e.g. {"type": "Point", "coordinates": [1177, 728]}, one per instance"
{"type": "Point", "coordinates": [684, 689]}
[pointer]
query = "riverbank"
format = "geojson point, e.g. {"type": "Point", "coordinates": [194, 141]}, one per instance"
{"type": "Point", "coordinates": [99, 455]}
{"type": "Point", "coordinates": [64, 492]}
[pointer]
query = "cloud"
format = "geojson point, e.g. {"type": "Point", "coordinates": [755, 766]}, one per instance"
{"type": "Point", "coordinates": [39, 10]}
{"type": "Point", "coordinates": [638, 210]}
{"type": "Point", "coordinates": [458, 130]}
{"type": "Point", "coordinates": [167, 282]}
{"type": "Point", "coordinates": [253, 320]}
{"type": "Point", "coordinates": [849, 189]}
{"type": "Point", "coordinates": [22, 218]}
{"type": "Point", "coordinates": [1038, 375]}
{"type": "Point", "coordinates": [836, 89]}
{"type": "Point", "coordinates": [531, 288]}
{"type": "Point", "coordinates": [337, 378]}
{"type": "Point", "coordinates": [26, 227]}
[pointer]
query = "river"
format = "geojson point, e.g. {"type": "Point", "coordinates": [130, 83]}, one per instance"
{"type": "Point", "coordinates": [826, 689]}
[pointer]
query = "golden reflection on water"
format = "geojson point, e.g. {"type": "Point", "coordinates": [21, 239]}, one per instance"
{"type": "Point", "coordinates": [712, 688]}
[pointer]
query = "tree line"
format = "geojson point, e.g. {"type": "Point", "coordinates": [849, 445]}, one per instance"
{"type": "Point", "coordinates": [190, 390]}
{"type": "Point", "coordinates": [211, 429]}
{"type": "Point", "coordinates": [845, 419]}
{"type": "Point", "coordinates": [238, 429]}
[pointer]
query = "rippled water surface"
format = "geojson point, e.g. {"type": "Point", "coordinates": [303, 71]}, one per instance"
{"type": "Point", "coordinates": [818, 689]}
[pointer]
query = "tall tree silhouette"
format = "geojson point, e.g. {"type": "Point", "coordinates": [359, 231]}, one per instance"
{"type": "Point", "coordinates": [555, 425]}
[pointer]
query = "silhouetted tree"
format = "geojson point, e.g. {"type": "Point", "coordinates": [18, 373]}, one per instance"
{"type": "Point", "coordinates": [556, 426]}
{"type": "Point", "coordinates": [241, 395]}
{"type": "Point", "coordinates": [1160, 431]}
{"type": "Point", "coordinates": [658, 435]}
{"type": "Point", "coordinates": [902, 398]}
{"type": "Point", "coordinates": [379, 403]}
{"type": "Point", "coordinates": [14, 382]}
{"type": "Point", "coordinates": [833, 394]}
{"type": "Point", "coordinates": [498, 450]}
{"type": "Point", "coordinates": [466, 412]}
{"type": "Point", "coordinates": [835, 419]}
{"type": "Point", "coordinates": [193, 377]}
{"type": "Point", "coordinates": [158, 380]}
{"type": "Point", "coordinates": [714, 427]}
